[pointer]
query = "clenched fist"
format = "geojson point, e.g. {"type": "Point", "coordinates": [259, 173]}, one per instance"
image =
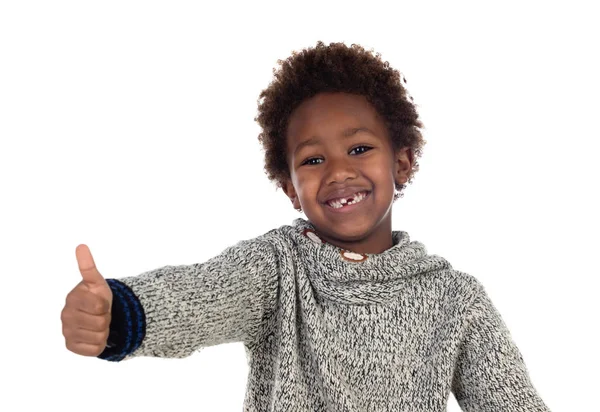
{"type": "Point", "coordinates": [86, 315]}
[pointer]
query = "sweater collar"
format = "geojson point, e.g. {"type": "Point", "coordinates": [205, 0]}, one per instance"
{"type": "Point", "coordinates": [366, 281]}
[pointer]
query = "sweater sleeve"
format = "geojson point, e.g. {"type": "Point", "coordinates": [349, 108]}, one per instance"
{"type": "Point", "coordinates": [490, 374]}
{"type": "Point", "coordinates": [172, 311]}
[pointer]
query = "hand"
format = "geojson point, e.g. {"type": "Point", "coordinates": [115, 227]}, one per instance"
{"type": "Point", "coordinates": [87, 312]}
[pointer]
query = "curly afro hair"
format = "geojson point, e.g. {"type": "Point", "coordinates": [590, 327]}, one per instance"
{"type": "Point", "coordinates": [335, 68]}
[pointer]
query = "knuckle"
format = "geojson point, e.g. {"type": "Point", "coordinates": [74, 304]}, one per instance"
{"type": "Point", "coordinates": [101, 323]}
{"type": "Point", "coordinates": [74, 299]}
{"type": "Point", "coordinates": [94, 350]}
{"type": "Point", "coordinates": [67, 320]}
{"type": "Point", "coordinates": [69, 301]}
{"type": "Point", "coordinates": [66, 313]}
{"type": "Point", "coordinates": [84, 350]}
{"type": "Point", "coordinates": [71, 346]}
{"type": "Point", "coordinates": [63, 315]}
{"type": "Point", "coordinates": [98, 307]}
{"type": "Point", "coordinates": [89, 323]}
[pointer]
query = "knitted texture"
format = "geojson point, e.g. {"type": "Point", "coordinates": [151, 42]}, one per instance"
{"type": "Point", "coordinates": [398, 331]}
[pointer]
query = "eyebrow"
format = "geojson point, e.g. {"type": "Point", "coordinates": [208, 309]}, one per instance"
{"type": "Point", "coordinates": [346, 133]}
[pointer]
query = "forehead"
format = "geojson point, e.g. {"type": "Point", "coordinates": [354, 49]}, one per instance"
{"type": "Point", "coordinates": [329, 114]}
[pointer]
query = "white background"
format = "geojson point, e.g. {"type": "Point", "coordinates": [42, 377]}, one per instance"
{"type": "Point", "coordinates": [128, 126]}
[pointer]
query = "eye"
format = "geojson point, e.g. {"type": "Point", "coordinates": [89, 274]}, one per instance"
{"type": "Point", "coordinates": [358, 147]}
{"type": "Point", "coordinates": [307, 161]}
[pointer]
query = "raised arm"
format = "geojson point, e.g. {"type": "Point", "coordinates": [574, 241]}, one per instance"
{"type": "Point", "coordinates": [174, 310]}
{"type": "Point", "coordinates": [490, 374]}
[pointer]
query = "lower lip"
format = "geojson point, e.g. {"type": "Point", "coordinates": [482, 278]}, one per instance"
{"type": "Point", "coordinates": [348, 209]}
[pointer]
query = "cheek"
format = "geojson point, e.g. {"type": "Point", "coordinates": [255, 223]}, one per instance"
{"type": "Point", "coordinates": [307, 184]}
{"type": "Point", "coordinates": [382, 175]}
{"type": "Point", "coordinates": [379, 170]}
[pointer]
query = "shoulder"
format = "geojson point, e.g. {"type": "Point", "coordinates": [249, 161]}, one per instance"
{"type": "Point", "coordinates": [269, 244]}
{"type": "Point", "coordinates": [466, 281]}
{"type": "Point", "coordinates": [457, 289]}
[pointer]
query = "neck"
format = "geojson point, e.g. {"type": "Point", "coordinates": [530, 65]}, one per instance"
{"type": "Point", "coordinates": [373, 243]}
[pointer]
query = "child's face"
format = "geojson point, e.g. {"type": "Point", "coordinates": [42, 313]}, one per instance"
{"type": "Point", "coordinates": [337, 162]}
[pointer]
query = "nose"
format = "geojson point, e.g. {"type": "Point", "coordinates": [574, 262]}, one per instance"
{"type": "Point", "coordinates": [340, 169]}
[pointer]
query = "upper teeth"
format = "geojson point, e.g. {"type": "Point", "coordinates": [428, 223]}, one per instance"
{"type": "Point", "coordinates": [357, 197]}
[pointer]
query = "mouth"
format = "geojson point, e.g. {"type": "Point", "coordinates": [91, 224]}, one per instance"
{"type": "Point", "coordinates": [348, 204]}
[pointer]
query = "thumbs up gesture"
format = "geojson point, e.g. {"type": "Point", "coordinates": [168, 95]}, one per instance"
{"type": "Point", "coordinates": [87, 312]}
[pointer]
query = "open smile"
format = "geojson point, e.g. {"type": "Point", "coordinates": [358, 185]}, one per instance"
{"type": "Point", "coordinates": [344, 207]}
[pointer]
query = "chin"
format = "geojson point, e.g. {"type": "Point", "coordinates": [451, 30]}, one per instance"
{"type": "Point", "coordinates": [347, 229]}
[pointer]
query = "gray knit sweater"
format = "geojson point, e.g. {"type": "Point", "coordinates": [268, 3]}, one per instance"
{"type": "Point", "coordinates": [325, 330]}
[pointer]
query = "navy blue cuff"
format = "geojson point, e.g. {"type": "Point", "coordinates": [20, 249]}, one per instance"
{"type": "Point", "coordinates": [127, 325]}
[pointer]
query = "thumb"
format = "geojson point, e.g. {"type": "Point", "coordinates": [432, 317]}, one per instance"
{"type": "Point", "coordinates": [91, 277]}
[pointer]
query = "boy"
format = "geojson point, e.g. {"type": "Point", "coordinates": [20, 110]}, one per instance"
{"type": "Point", "coordinates": [337, 312]}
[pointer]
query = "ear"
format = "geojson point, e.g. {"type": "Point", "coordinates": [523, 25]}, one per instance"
{"type": "Point", "coordinates": [403, 162]}
{"type": "Point", "coordinates": [290, 191]}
